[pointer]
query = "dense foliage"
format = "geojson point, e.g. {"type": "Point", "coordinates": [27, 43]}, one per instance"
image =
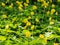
{"type": "Point", "coordinates": [29, 22]}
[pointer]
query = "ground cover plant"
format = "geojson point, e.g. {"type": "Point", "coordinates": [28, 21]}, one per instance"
{"type": "Point", "coordinates": [29, 22]}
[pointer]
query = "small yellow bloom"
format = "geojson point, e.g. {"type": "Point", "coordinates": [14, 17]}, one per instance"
{"type": "Point", "coordinates": [58, 0]}
{"type": "Point", "coordinates": [19, 2]}
{"type": "Point", "coordinates": [53, 6]}
{"type": "Point", "coordinates": [7, 26]}
{"type": "Point", "coordinates": [20, 8]}
{"type": "Point", "coordinates": [4, 16]}
{"type": "Point", "coordinates": [28, 34]}
{"type": "Point", "coordinates": [11, 5]}
{"type": "Point", "coordinates": [25, 27]}
{"type": "Point", "coordinates": [25, 4]}
{"type": "Point", "coordinates": [34, 7]}
{"type": "Point", "coordinates": [39, 0]}
{"type": "Point", "coordinates": [56, 44]}
{"type": "Point", "coordinates": [44, 41]}
{"type": "Point", "coordinates": [51, 22]}
{"type": "Point", "coordinates": [2, 38]}
{"type": "Point", "coordinates": [27, 1]}
{"type": "Point", "coordinates": [50, 1]}
{"type": "Point", "coordinates": [32, 27]}
{"type": "Point", "coordinates": [32, 13]}
{"type": "Point", "coordinates": [37, 20]}
{"type": "Point", "coordinates": [3, 4]}
{"type": "Point", "coordinates": [28, 24]}
{"type": "Point", "coordinates": [48, 12]}
{"type": "Point", "coordinates": [52, 11]}
{"type": "Point", "coordinates": [20, 5]}
{"type": "Point", "coordinates": [50, 18]}
{"type": "Point", "coordinates": [41, 36]}
{"type": "Point", "coordinates": [56, 13]}
{"type": "Point", "coordinates": [29, 17]}
{"type": "Point", "coordinates": [45, 4]}
{"type": "Point", "coordinates": [25, 20]}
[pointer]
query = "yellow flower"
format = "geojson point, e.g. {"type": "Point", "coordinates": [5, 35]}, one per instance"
{"type": "Point", "coordinates": [45, 4]}
{"type": "Point", "coordinates": [58, 0]}
{"type": "Point", "coordinates": [28, 34]}
{"type": "Point", "coordinates": [50, 18]}
{"type": "Point", "coordinates": [32, 27]}
{"type": "Point", "coordinates": [2, 38]}
{"type": "Point", "coordinates": [56, 44]}
{"type": "Point", "coordinates": [4, 16]}
{"type": "Point", "coordinates": [50, 1]}
{"type": "Point", "coordinates": [44, 41]}
{"type": "Point", "coordinates": [53, 6]}
{"type": "Point", "coordinates": [37, 20]}
{"type": "Point", "coordinates": [39, 0]}
{"type": "Point", "coordinates": [19, 2]}
{"type": "Point", "coordinates": [11, 5]}
{"type": "Point", "coordinates": [52, 11]}
{"type": "Point", "coordinates": [48, 12]}
{"type": "Point", "coordinates": [28, 24]}
{"type": "Point", "coordinates": [51, 22]}
{"type": "Point", "coordinates": [25, 4]}
{"type": "Point", "coordinates": [56, 13]}
{"type": "Point", "coordinates": [34, 7]}
{"type": "Point", "coordinates": [32, 13]}
{"type": "Point", "coordinates": [41, 36]}
{"type": "Point", "coordinates": [3, 4]}
{"type": "Point", "coordinates": [29, 17]}
{"type": "Point", "coordinates": [27, 1]}
{"type": "Point", "coordinates": [20, 8]}
{"type": "Point", "coordinates": [7, 26]}
{"type": "Point", "coordinates": [25, 27]}
{"type": "Point", "coordinates": [20, 5]}
{"type": "Point", "coordinates": [25, 20]}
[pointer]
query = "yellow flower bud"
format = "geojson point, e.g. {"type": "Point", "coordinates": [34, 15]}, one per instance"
{"type": "Point", "coordinates": [51, 22]}
{"type": "Point", "coordinates": [41, 36]}
{"type": "Point", "coordinates": [4, 16]}
{"type": "Point", "coordinates": [52, 11]}
{"type": "Point", "coordinates": [58, 0]}
{"type": "Point", "coordinates": [50, 18]}
{"type": "Point", "coordinates": [48, 12]}
{"type": "Point", "coordinates": [28, 24]}
{"type": "Point", "coordinates": [50, 1]}
{"type": "Point", "coordinates": [3, 4]}
{"type": "Point", "coordinates": [7, 26]}
{"type": "Point", "coordinates": [25, 20]}
{"type": "Point", "coordinates": [44, 41]}
{"type": "Point", "coordinates": [53, 6]}
{"type": "Point", "coordinates": [25, 27]}
{"type": "Point", "coordinates": [25, 4]}
{"type": "Point", "coordinates": [10, 6]}
{"type": "Point", "coordinates": [27, 1]}
{"type": "Point", "coordinates": [28, 34]}
{"type": "Point", "coordinates": [34, 7]}
{"type": "Point", "coordinates": [39, 0]}
{"type": "Point", "coordinates": [32, 13]}
{"type": "Point", "coordinates": [20, 8]}
{"type": "Point", "coordinates": [56, 13]}
{"type": "Point", "coordinates": [37, 20]}
{"type": "Point", "coordinates": [56, 44]}
{"type": "Point", "coordinates": [32, 27]}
